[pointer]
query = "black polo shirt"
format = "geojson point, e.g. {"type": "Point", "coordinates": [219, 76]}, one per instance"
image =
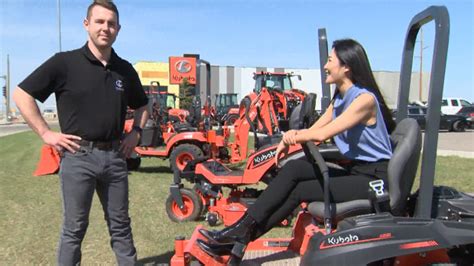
{"type": "Point", "coordinates": [91, 98]}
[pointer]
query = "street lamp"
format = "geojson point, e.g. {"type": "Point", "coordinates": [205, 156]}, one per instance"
{"type": "Point", "coordinates": [4, 94]}
{"type": "Point", "coordinates": [59, 24]}
{"type": "Point", "coordinates": [421, 64]}
{"type": "Point", "coordinates": [6, 89]}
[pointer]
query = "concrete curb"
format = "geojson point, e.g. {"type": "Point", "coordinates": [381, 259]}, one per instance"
{"type": "Point", "coordinates": [463, 154]}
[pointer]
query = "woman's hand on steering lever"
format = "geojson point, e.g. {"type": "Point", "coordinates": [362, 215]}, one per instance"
{"type": "Point", "coordinates": [289, 138]}
{"type": "Point", "coordinates": [281, 151]}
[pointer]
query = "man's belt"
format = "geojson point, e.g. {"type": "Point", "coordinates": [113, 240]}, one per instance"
{"type": "Point", "coordinates": [101, 145]}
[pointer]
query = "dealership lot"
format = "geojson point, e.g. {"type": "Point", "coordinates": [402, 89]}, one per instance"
{"type": "Point", "coordinates": [449, 143]}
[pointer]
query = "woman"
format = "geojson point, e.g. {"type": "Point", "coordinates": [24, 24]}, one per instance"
{"type": "Point", "coordinates": [358, 120]}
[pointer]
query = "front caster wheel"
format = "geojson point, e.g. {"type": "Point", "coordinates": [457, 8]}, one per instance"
{"type": "Point", "coordinates": [191, 210]}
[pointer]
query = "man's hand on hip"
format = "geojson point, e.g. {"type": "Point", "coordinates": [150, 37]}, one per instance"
{"type": "Point", "coordinates": [61, 141]}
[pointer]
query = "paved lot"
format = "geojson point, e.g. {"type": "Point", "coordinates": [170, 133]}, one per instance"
{"type": "Point", "coordinates": [449, 143]}
{"type": "Point", "coordinates": [456, 143]}
{"type": "Point", "coordinates": [8, 129]}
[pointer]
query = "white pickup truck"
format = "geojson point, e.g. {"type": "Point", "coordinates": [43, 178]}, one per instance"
{"type": "Point", "coordinates": [451, 106]}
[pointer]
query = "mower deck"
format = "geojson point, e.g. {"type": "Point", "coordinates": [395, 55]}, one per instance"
{"type": "Point", "coordinates": [263, 251]}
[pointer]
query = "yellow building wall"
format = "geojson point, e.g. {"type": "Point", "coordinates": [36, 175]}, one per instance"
{"type": "Point", "coordinates": [156, 71]}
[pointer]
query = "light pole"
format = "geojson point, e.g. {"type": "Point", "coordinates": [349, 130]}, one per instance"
{"type": "Point", "coordinates": [421, 65]}
{"type": "Point", "coordinates": [6, 90]}
{"type": "Point", "coordinates": [59, 24]}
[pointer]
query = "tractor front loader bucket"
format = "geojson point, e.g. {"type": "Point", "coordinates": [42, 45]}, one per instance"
{"type": "Point", "coordinates": [49, 161]}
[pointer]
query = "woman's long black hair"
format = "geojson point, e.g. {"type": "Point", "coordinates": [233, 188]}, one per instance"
{"type": "Point", "coordinates": [351, 54]}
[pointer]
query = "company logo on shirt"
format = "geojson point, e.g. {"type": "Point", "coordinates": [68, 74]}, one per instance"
{"type": "Point", "coordinates": [118, 85]}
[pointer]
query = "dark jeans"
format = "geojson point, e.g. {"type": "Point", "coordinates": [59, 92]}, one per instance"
{"type": "Point", "coordinates": [82, 173]}
{"type": "Point", "coordinates": [296, 182]}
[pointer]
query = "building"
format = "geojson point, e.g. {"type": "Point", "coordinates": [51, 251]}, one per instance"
{"type": "Point", "coordinates": [231, 79]}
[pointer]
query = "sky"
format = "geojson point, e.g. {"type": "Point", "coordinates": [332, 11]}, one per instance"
{"type": "Point", "coordinates": [244, 33]}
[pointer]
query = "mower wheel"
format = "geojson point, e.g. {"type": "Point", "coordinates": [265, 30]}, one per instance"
{"type": "Point", "coordinates": [133, 163]}
{"type": "Point", "coordinates": [192, 207]}
{"type": "Point", "coordinates": [212, 219]}
{"type": "Point", "coordinates": [182, 154]}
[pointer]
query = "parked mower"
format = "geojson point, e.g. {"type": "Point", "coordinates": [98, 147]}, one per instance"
{"type": "Point", "coordinates": [211, 175]}
{"type": "Point", "coordinates": [393, 228]}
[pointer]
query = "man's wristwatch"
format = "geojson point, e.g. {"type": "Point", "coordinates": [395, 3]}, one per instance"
{"type": "Point", "coordinates": [137, 129]}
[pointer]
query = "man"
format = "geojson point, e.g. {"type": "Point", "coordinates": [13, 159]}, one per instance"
{"type": "Point", "coordinates": [93, 87]}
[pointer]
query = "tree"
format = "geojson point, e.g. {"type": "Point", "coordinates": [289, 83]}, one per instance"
{"type": "Point", "coordinates": [186, 94]}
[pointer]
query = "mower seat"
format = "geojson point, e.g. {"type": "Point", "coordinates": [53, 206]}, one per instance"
{"type": "Point", "coordinates": [184, 127]}
{"type": "Point", "coordinates": [406, 144]}
{"type": "Point", "coordinates": [302, 115]}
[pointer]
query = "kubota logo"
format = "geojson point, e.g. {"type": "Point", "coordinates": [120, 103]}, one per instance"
{"type": "Point", "coordinates": [183, 66]}
{"type": "Point", "coordinates": [264, 157]}
{"type": "Point", "coordinates": [342, 239]}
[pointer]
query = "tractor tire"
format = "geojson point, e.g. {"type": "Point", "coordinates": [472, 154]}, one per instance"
{"type": "Point", "coordinates": [192, 207]}
{"type": "Point", "coordinates": [182, 154]}
{"type": "Point", "coordinates": [133, 163]}
{"type": "Point", "coordinates": [231, 119]}
{"type": "Point", "coordinates": [458, 126]}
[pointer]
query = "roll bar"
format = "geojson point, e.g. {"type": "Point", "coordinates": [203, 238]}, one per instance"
{"type": "Point", "coordinates": [438, 68]}
{"type": "Point", "coordinates": [323, 58]}
{"type": "Point", "coordinates": [208, 77]}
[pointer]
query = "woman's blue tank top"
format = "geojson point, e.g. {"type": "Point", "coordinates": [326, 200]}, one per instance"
{"type": "Point", "coordinates": [366, 143]}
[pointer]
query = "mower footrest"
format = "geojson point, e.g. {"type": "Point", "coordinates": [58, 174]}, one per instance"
{"type": "Point", "coordinates": [219, 169]}
{"type": "Point", "coordinates": [270, 257]}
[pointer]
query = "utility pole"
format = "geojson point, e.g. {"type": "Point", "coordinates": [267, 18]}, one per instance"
{"type": "Point", "coordinates": [420, 93]}
{"type": "Point", "coordinates": [421, 65]}
{"type": "Point", "coordinates": [59, 24]}
{"type": "Point", "coordinates": [6, 90]}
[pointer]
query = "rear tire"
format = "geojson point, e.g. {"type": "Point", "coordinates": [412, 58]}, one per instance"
{"type": "Point", "coordinates": [192, 207]}
{"type": "Point", "coordinates": [133, 163]}
{"type": "Point", "coordinates": [458, 126]}
{"type": "Point", "coordinates": [182, 154]}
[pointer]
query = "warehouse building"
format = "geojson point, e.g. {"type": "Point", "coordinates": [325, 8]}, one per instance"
{"type": "Point", "coordinates": [231, 79]}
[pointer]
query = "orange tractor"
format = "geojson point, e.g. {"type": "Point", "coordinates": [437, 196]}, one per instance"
{"type": "Point", "coordinates": [286, 97]}
{"type": "Point", "coordinates": [280, 84]}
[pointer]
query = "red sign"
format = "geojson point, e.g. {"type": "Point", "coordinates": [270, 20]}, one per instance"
{"type": "Point", "coordinates": [181, 68]}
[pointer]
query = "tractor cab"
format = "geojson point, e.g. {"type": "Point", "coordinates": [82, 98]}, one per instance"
{"type": "Point", "coordinates": [163, 104]}
{"type": "Point", "coordinates": [285, 96]}
{"type": "Point", "coordinates": [279, 82]}
{"type": "Point", "coordinates": [167, 99]}
{"type": "Point", "coordinates": [226, 108]}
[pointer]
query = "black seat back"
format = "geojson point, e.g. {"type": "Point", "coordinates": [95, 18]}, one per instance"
{"type": "Point", "coordinates": [303, 114]}
{"type": "Point", "coordinates": [406, 145]}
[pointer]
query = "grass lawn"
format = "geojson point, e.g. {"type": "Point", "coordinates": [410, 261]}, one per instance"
{"type": "Point", "coordinates": [31, 208]}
